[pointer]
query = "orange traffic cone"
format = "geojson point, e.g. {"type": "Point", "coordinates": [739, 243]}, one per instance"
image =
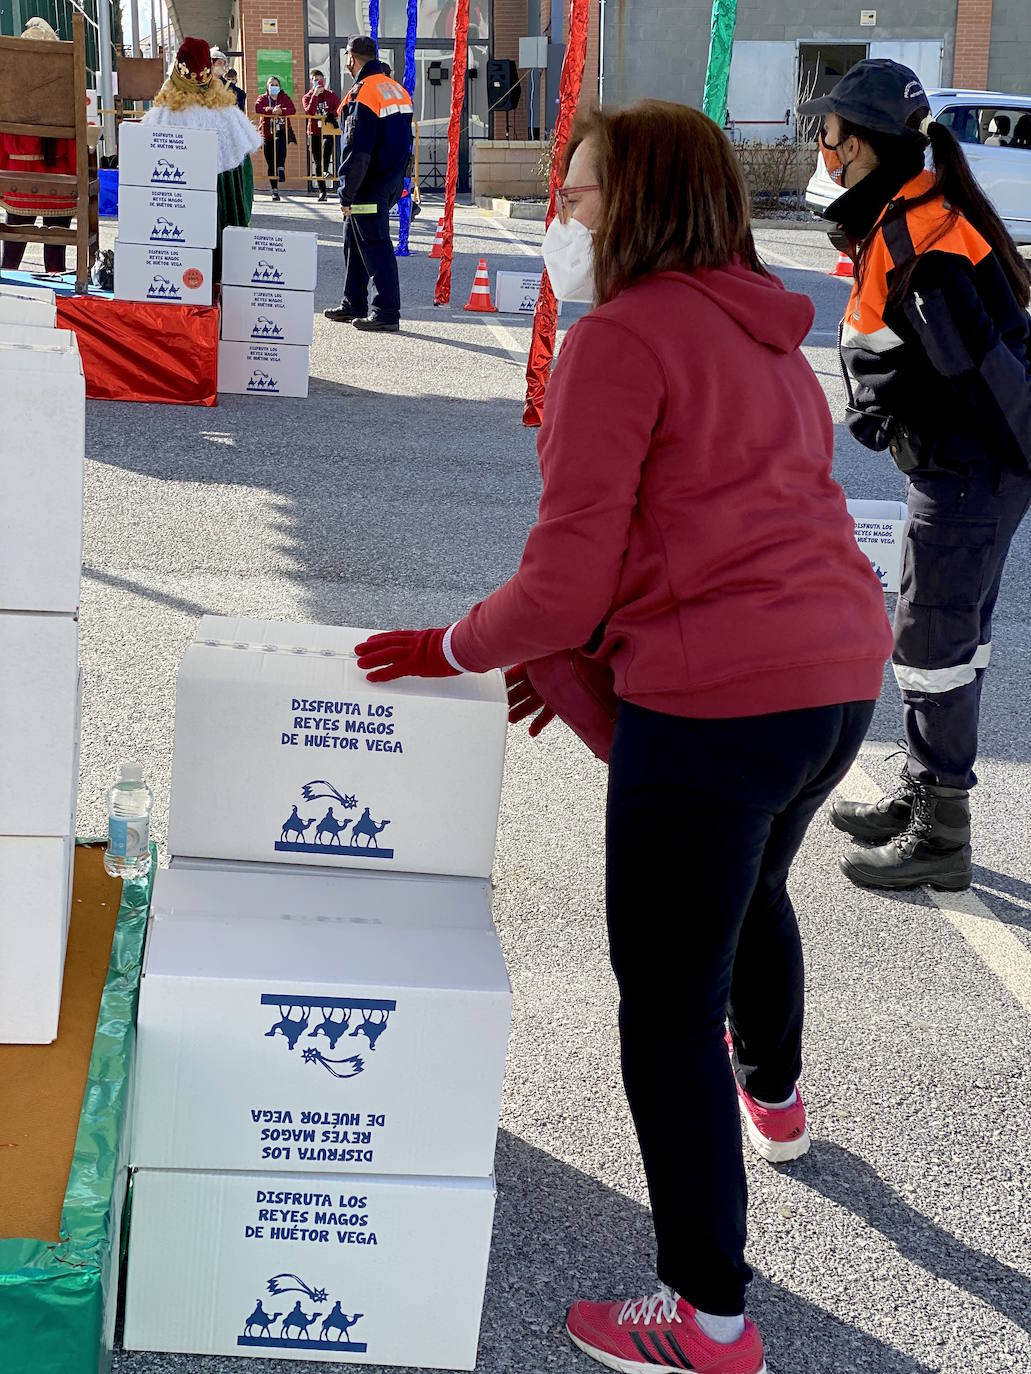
{"type": "Point", "coordinates": [843, 267]}
{"type": "Point", "coordinates": [438, 239]}
{"type": "Point", "coordinates": [479, 297]}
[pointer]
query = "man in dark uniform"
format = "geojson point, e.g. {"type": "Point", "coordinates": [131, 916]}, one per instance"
{"type": "Point", "coordinates": [376, 114]}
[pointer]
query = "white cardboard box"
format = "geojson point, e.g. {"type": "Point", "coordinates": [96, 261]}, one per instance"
{"type": "Point", "coordinates": [39, 723]}
{"type": "Point", "coordinates": [319, 1044]}
{"type": "Point", "coordinates": [265, 891]}
{"type": "Point", "coordinates": [172, 276]}
{"type": "Point", "coordinates": [35, 899]}
{"type": "Point", "coordinates": [39, 293]}
{"type": "Point", "coordinates": [19, 308]}
{"type": "Point", "coordinates": [263, 257]}
{"type": "Point", "coordinates": [149, 155]}
{"type": "Point", "coordinates": [262, 369]}
{"type": "Point", "coordinates": [515, 293]}
{"type": "Point", "coordinates": [42, 449]}
{"type": "Point", "coordinates": [879, 529]}
{"type": "Point", "coordinates": [37, 337]}
{"type": "Point", "coordinates": [167, 217]}
{"type": "Point", "coordinates": [267, 315]}
{"type": "Point", "coordinates": [371, 1270]}
{"type": "Point", "coordinates": [317, 765]}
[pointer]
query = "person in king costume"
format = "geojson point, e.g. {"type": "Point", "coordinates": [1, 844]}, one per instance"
{"type": "Point", "coordinates": [193, 97]}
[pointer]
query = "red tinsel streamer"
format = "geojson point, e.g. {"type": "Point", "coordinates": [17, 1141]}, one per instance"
{"type": "Point", "coordinates": [442, 294]}
{"type": "Point", "coordinates": [545, 315]}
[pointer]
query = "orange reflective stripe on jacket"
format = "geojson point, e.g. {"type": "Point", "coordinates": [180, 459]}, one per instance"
{"type": "Point", "coordinates": [381, 94]}
{"type": "Point", "coordinates": [864, 325]}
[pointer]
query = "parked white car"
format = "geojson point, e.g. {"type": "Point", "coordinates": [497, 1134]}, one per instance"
{"type": "Point", "coordinates": [995, 131]}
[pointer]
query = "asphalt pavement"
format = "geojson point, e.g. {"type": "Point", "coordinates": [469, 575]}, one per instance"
{"type": "Point", "coordinates": [399, 492]}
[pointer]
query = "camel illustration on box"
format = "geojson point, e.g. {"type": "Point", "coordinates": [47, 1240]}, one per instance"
{"type": "Point", "coordinates": [166, 172]}
{"type": "Point", "coordinates": [164, 230]}
{"type": "Point", "coordinates": [265, 272]}
{"type": "Point", "coordinates": [328, 837]}
{"type": "Point", "coordinates": [341, 1016]}
{"type": "Point", "coordinates": [264, 328]}
{"type": "Point", "coordinates": [162, 289]}
{"type": "Point", "coordinates": [297, 1326]}
{"type": "Point", "coordinates": [261, 381]}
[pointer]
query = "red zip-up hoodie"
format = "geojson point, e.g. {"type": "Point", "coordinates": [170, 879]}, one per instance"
{"type": "Point", "coordinates": [689, 532]}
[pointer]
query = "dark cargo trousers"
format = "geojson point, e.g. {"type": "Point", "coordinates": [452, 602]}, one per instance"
{"type": "Point", "coordinates": [957, 537]}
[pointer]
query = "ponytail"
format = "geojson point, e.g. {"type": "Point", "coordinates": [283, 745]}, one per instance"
{"type": "Point", "coordinates": [953, 181]}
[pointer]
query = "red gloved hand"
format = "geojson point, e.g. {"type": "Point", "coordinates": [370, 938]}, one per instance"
{"type": "Point", "coordinates": [523, 700]}
{"type": "Point", "coordinates": [404, 653]}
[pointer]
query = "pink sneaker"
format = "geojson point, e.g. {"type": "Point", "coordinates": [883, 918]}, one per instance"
{"type": "Point", "coordinates": [659, 1333]}
{"type": "Point", "coordinates": [777, 1133]}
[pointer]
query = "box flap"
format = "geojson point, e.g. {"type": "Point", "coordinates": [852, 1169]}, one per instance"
{"type": "Point", "coordinates": [324, 955]}
{"type": "Point", "coordinates": [275, 648]}
{"type": "Point", "coordinates": [267, 892]}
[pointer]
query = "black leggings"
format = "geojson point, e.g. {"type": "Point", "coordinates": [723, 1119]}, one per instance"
{"type": "Point", "coordinates": [54, 254]}
{"type": "Point", "coordinates": [275, 154]}
{"type": "Point", "coordinates": [704, 820]}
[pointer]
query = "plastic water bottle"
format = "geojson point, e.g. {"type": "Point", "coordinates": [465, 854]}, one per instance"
{"type": "Point", "coordinates": [128, 824]}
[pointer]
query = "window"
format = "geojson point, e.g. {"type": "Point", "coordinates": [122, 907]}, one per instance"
{"type": "Point", "coordinates": [991, 126]}
{"type": "Point", "coordinates": [318, 18]}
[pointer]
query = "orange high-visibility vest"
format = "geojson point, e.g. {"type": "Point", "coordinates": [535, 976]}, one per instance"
{"type": "Point", "coordinates": [928, 229]}
{"type": "Point", "coordinates": [381, 94]}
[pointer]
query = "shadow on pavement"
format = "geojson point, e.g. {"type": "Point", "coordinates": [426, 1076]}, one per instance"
{"type": "Point", "coordinates": [850, 1182]}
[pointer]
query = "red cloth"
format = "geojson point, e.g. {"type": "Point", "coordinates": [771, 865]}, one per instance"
{"type": "Point", "coordinates": [26, 153]}
{"type": "Point", "coordinates": [545, 315]}
{"type": "Point", "coordinates": [689, 528]}
{"type": "Point", "coordinates": [442, 290]}
{"type": "Point", "coordinates": [138, 351]}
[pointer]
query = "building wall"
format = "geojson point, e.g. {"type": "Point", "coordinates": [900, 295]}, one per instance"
{"type": "Point", "coordinates": [290, 36]}
{"type": "Point", "coordinates": [509, 27]}
{"type": "Point", "coordinates": [1009, 57]}
{"type": "Point", "coordinates": [661, 48]}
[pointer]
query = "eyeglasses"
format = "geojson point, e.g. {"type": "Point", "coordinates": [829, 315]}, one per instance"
{"type": "Point", "coordinates": [566, 204]}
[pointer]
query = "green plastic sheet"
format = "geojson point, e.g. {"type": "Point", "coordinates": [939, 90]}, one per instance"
{"type": "Point", "coordinates": [717, 72]}
{"type": "Point", "coordinates": [54, 1308]}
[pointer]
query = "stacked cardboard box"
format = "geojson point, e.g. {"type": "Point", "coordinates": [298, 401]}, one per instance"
{"type": "Point", "coordinates": [43, 400]}
{"type": "Point", "coordinates": [167, 214]}
{"type": "Point", "coordinates": [268, 307]}
{"type": "Point", "coordinates": [321, 1050]}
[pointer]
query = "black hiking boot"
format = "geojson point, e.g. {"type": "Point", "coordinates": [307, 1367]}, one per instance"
{"type": "Point", "coordinates": [883, 820]}
{"type": "Point", "coordinates": [934, 849]}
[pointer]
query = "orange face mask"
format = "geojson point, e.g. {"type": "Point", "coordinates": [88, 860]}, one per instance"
{"type": "Point", "coordinates": [832, 160]}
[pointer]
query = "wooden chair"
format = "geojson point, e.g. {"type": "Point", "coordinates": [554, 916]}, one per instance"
{"type": "Point", "coordinates": [43, 94]}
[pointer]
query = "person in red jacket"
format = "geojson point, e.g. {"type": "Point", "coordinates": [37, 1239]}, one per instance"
{"type": "Point", "coordinates": [693, 601]}
{"type": "Point", "coordinates": [47, 156]}
{"type": "Point", "coordinates": [322, 104]}
{"type": "Point", "coordinates": [275, 128]}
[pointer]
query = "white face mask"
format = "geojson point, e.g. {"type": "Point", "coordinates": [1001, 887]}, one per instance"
{"type": "Point", "coordinates": [568, 251]}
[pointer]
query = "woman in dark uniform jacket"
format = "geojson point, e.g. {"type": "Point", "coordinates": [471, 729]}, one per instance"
{"type": "Point", "coordinates": [936, 361]}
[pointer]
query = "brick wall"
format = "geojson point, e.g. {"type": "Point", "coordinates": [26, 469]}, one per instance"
{"type": "Point", "coordinates": [973, 40]}
{"type": "Point", "coordinates": [501, 168]}
{"type": "Point", "coordinates": [510, 26]}
{"type": "Point", "coordinates": [290, 35]}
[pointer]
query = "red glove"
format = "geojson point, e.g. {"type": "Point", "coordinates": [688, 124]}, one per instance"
{"type": "Point", "coordinates": [405, 653]}
{"type": "Point", "coordinates": [523, 700]}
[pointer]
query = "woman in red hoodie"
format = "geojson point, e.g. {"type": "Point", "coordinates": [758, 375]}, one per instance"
{"type": "Point", "coordinates": [693, 602]}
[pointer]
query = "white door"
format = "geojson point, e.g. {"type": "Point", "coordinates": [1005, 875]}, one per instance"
{"type": "Point", "coordinates": [921, 55]}
{"type": "Point", "coordinates": [761, 93]}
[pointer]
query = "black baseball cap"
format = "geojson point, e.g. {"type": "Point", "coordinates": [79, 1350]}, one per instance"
{"type": "Point", "coordinates": [875, 94]}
